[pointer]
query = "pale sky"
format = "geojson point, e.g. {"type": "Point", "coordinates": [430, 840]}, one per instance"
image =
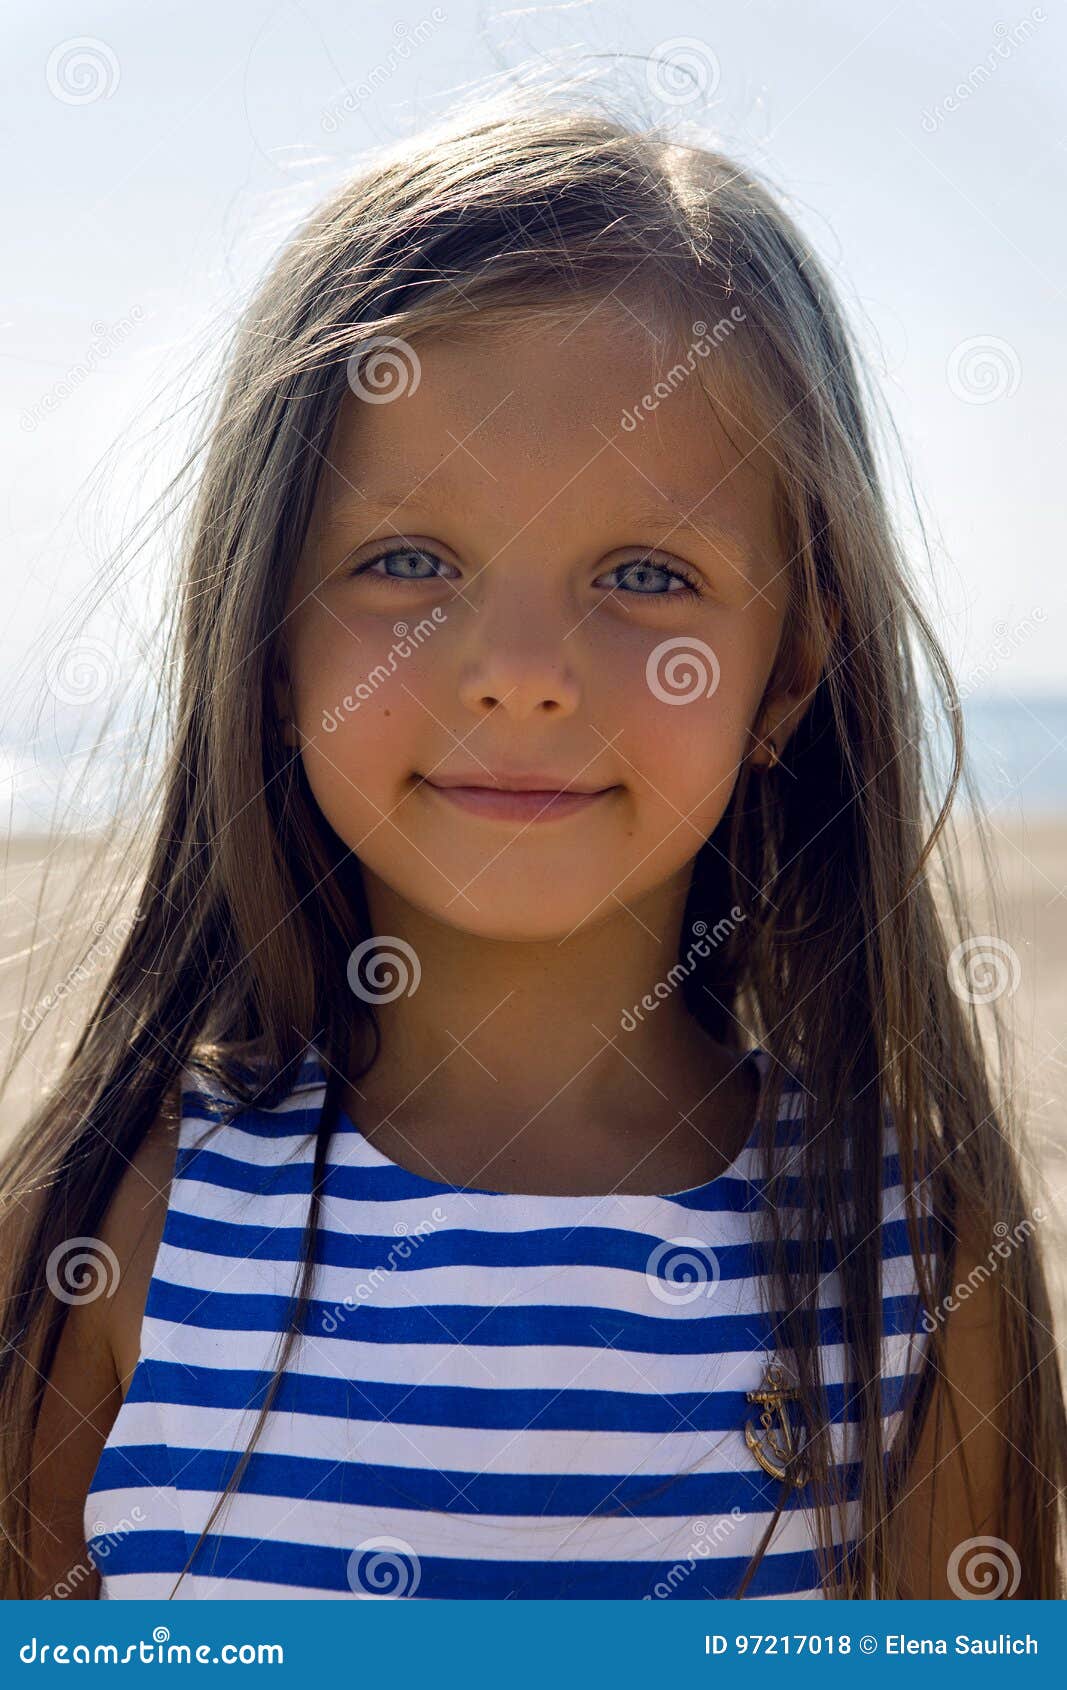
{"type": "Point", "coordinates": [917, 146]}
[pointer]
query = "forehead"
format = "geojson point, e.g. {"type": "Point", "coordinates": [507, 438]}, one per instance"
{"type": "Point", "coordinates": [552, 422]}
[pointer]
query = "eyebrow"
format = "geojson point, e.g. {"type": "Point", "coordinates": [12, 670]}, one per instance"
{"type": "Point", "coordinates": [670, 517]}
{"type": "Point", "coordinates": [682, 520]}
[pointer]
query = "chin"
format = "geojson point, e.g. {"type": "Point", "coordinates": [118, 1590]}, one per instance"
{"type": "Point", "coordinates": [523, 920]}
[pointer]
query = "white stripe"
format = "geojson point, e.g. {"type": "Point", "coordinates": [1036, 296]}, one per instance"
{"type": "Point", "coordinates": [420, 1218]}
{"type": "Point", "coordinates": [458, 1449]}
{"type": "Point", "coordinates": [614, 1290]}
{"type": "Point", "coordinates": [262, 1150]}
{"type": "Point", "coordinates": [485, 1366]}
{"type": "Point", "coordinates": [196, 1587]}
{"type": "Point", "coordinates": [480, 1537]}
{"type": "Point", "coordinates": [499, 1213]}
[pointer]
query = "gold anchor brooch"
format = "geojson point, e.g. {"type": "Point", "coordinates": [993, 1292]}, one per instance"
{"type": "Point", "coordinates": [775, 1445]}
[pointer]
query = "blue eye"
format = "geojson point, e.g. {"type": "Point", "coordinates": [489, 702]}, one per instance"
{"type": "Point", "coordinates": [400, 552]}
{"type": "Point", "coordinates": [648, 567]}
{"type": "Point", "coordinates": [642, 571]}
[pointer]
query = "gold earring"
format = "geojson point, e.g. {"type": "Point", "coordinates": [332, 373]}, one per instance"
{"type": "Point", "coordinates": [772, 759]}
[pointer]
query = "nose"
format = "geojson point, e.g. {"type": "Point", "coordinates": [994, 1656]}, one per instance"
{"type": "Point", "coordinates": [517, 659]}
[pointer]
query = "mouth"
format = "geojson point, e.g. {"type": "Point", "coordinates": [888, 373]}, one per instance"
{"type": "Point", "coordinates": [530, 804]}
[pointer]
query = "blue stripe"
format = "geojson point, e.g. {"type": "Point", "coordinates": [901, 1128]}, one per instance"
{"type": "Point", "coordinates": [560, 1246]}
{"type": "Point", "coordinates": [473, 1323]}
{"type": "Point", "coordinates": [140, 1551]}
{"type": "Point", "coordinates": [569, 1410]}
{"type": "Point", "coordinates": [309, 1567]}
{"type": "Point", "coordinates": [455, 1492]}
{"type": "Point", "coordinates": [729, 1194]}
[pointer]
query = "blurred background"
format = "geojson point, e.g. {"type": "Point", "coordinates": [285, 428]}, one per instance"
{"type": "Point", "coordinates": [158, 157]}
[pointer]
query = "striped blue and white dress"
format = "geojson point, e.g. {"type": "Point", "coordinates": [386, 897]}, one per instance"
{"type": "Point", "coordinates": [494, 1395]}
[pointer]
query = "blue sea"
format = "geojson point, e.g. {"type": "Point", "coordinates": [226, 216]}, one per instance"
{"type": "Point", "coordinates": [1016, 746]}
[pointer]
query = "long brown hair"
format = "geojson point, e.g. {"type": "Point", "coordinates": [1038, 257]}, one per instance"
{"type": "Point", "coordinates": [248, 905]}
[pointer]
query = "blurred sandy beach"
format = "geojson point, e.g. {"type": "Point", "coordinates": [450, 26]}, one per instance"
{"type": "Point", "coordinates": [1030, 866]}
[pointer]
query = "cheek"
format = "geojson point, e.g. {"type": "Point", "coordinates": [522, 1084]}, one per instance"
{"type": "Point", "coordinates": [356, 690]}
{"type": "Point", "coordinates": [684, 762]}
{"type": "Point", "coordinates": [681, 714]}
{"type": "Point", "coordinates": [335, 657]}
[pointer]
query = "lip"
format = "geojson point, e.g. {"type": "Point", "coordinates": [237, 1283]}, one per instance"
{"type": "Point", "coordinates": [500, 803]}
{"type": "Point", "coordinates": [525, 780]}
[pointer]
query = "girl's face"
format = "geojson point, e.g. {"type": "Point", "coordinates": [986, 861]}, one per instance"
{"type": "Point", "coordinates": [533, 565]}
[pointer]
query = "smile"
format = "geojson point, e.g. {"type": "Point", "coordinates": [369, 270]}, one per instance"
{"type": "Point", "coordinates": [499, 804]}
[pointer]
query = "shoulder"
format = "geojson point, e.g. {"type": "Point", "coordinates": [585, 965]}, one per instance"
{"type": "Point", "coordinates": [133, 1225]}
{"type": "Point", "coordinates": [132, 1230]}
{"type": "Point", "coordinates": [91, 1368]}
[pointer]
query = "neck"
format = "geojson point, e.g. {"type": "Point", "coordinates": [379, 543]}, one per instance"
{"type": "Point", "coordinates": [536, 1036]}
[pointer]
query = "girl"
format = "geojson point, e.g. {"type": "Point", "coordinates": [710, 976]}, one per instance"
{"type": "Point", "coordinates": [532, 1131]}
